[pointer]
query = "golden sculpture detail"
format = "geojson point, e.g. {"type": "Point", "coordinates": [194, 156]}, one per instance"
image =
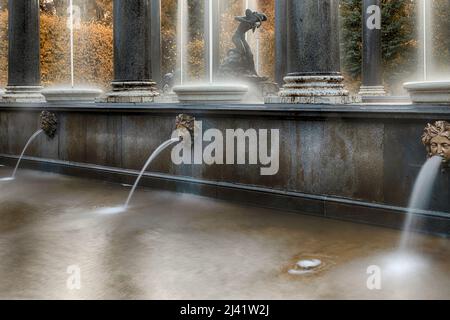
{"type": "Point", "coordinates": [436, 138]}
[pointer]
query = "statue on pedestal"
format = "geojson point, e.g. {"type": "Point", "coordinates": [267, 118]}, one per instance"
{"type": "Point", "coordinates": [239, 62]}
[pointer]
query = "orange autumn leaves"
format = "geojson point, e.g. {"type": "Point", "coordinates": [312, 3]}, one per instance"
{"type": "Point", "coordinates": [93, 54]}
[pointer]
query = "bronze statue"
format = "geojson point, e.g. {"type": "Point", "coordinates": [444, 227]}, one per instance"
{"type": "Point", "coordinates": [49, 123]}
{"type": "Point", "coordinates": [436, 138]}
{"type": "Point", "coordinates": [239, 61]}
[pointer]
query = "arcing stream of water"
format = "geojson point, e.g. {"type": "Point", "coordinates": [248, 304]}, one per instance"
{"type": "Point", "coordinates": [34, 136]}
{"type": "Point", "coordinates": [161, 148]}
{"type": "Point", "coordinates": [120, 209]}
{"type": "Point", "coordinates": [420, 197]}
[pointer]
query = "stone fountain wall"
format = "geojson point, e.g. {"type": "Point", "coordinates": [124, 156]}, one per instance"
{"type": "Point", "coordinates": [354, 163]}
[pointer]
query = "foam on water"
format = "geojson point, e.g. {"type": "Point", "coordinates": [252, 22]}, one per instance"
{"type": "Point", "coordinates": [111, 210]}
{"type": "Point", "coordinates": [309, 264]}
{"type": "Point", "coordinates": [297, 272]}
{"type": "Point", "coordinates": [303, 267]}
{"type": "Point", "coordinates": [404, 264]}
{"type": "Point", "coordinates": [7, 179]}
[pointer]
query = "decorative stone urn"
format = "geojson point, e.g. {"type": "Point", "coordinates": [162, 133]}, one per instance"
{"type": "Point", "coordinates": [314, 89]}
{"type": "Point", "coordinates": [54, 95]}
{"type": "Point", "coordinates": [210, 93]}
{"type": "Point", "coordinates": [436, 92]}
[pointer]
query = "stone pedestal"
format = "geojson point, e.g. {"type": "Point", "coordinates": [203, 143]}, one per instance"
{"type": "Point", "coordinates": [23, 94]}
{"type": "Point", "coordinates": [132, 53]}
{"type": "Point", "coordinates": [372, 91]}
{"type": "Point", "coordinates": [210, 93]}
{"type": "Point", "coordinates": [314, 89]}
{"type": "Point", "coordinates": [132, 92]}
{"type": "Point", "coordinates": [23, 59]}
{"type": "Point", "coordinates": [372, 65]}
{"type": "Point", "coordinates": [313, 60]}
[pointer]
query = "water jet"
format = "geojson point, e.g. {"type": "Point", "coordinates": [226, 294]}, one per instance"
{"type": "Point", "coordinates": [210, 92]}
{"type": "Point", "coordinates": [48, 125]}
{"type": "Point", "coordinates": [71, 93]}
{"type": "Point", "coordinates": [436, 139]}
{"type": "Point", "coordinates": [184, 125]}
{"type": "Point", "coordinates": [428, 91]}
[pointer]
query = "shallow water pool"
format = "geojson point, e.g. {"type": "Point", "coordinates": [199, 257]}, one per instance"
{"type": "Point", "coordinates": [60, 239]}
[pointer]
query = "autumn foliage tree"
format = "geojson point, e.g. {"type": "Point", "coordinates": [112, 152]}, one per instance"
{"type": "Point", "coordinates": [93, 52]}
{"type": "Point", "coordinates": [93, 43]}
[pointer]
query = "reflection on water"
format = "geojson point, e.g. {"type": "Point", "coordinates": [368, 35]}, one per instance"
{"type": "Point", "coordinates": [111, 210]}
{"type": "Point", "coordinates": [179, 246]}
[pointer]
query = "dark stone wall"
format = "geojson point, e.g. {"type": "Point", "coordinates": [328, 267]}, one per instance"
{"type": "Point", "coordinates": [352, 156]}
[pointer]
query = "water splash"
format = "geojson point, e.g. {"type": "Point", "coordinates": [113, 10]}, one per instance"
{"type": "Point", "coordinates": [211, 42]}
{"type": "Point", "coordinates": [304, 267]}
{"type": "Point", "coordinates": [34, 136]}
{"type": "Point", "coordinates": [420, 197]}
{"type": "Point", "coordinates": [111, 210]}
{"type": "Point", "coordinates": [255, 40]}
{"type": "Point", "coordinates": [72, 72]}
{"type": "Point", "coordinates": [161, 148]}
{"type": "Point", "coordinates": [425, 40]}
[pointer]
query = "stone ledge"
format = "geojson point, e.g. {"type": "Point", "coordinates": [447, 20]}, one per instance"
{"type": "Point", "coordinates": [369, 111]}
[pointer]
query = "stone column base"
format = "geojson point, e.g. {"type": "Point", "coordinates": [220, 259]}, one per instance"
{"type": "Point", "coordinates": [314, 89]}
{"type": "Point", "coordinates": [23, 94]}
{"type": "Point", "coordinates": [168, 97]}
{"type": "Point", "coordinates": [372, 91]}
{"type": "Point", "coordinates": [132, 92]}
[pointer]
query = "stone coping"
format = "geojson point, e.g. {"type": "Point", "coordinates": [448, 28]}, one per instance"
{"type": "Point", "coordinates": [385, 110]}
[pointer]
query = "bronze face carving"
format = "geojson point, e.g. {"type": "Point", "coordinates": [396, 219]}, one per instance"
{"type": "Point", "coordinates": [49, 123]}
{"type": "Point", "coordinates": [187, 122]}
{"type": "Point", "coordinates": [436, 138]}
